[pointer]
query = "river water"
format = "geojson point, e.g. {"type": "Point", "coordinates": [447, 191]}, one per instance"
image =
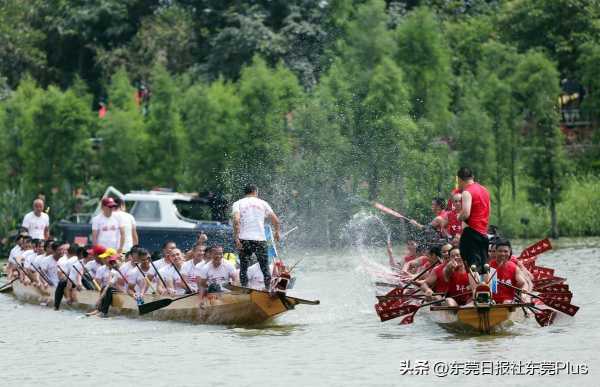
{"type": "Point", "coordinates": [338, 343]}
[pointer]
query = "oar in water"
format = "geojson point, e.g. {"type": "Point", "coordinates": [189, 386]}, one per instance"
{"type": "Point", "coordinates": [7, 285]}
{"type": "Point", "coordinates": [544, 317]}
{"type": "Point", "coordinates": [564, 307]}
{"type": "Point", "coordinates": [149, 307]}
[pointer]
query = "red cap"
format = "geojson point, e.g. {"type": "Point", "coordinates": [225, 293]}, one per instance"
{"type": "Point", "coordinates": [109, 202]}
{"type": "Point", "coordinates": [113, 258]}
{"type": "Point", "coordinates": [96, 250]}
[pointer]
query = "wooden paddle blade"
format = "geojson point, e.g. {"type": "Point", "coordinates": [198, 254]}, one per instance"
{"type": "Point", "coordinates": [558, 296]}
{"type": "Point", "coordinates": [541, 283]}
{"type": "Point", "coordinates": [408, 319]}
{"type": "Point", "coordinates": [554, 288]}
{"type": "Point", "coordinates": [564, 307]}
{"type": "Point", "coordinates": [536, 249]}
{"type": "Point", "coordinates": [545, 317]}
{"type": "Point", "coordinates": [396, 292]}
{"type": "Point", "coordinates": [386, 313]}
{"type": "Point", "coordinates": [150, 307]}
{"type": "Point", "coordinates": [540, 272]}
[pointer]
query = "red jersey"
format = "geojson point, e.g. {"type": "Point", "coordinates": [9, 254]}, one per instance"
{"type": "Point", "coordinates": [480, 208]}
{"type": "Point", "coordinates": [441, 285]}
{"type": "Point", "coordinates": [454, 226]}
{"type": "Point", "coordinates": [493, 263]}
{"type": "Point", "coordinates": [408, 258]}
{"type": "Point", "coordinates": [506, 273]}
{"type": "Point", "coordinates": [458, 284]}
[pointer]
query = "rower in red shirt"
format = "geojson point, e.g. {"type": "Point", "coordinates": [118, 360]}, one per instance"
{"type": "Point", "coordinates": [415, 266]}
{"type": "Point", "coordinates": [435, 282]}
{"type": "Point", "coordinates": [493, 261]}
{"type": "Point", "coordinates": [458, 280]}
{"type": "Point", "coordinates": [453, 225]}
{"type": "Point", "coordinates": [507, 272]}
{"type": "Point", "coordinates": [439, 221]}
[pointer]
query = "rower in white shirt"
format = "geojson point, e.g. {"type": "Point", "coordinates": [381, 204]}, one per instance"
{"type": "Point", "coordinates": [137, 278]}
{"type": "Point", "coordinates": [216, 273]}
{"type": "Point", "coordinates": [256, 280]}
{"type": "Point", "coordinates": [102, 276]}
{"type": "Point", "coordinates": [172, 276]}
{"type": "Point", "coordinates": [12, 258]}
{"type": "Point", "coordinates": [190, 268]}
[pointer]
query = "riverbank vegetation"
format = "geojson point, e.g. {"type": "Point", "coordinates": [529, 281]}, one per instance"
{"type": "Point", "coordinates": [326, 105]}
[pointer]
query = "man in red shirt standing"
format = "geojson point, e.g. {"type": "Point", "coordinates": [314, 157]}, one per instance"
{"type": "Point", "coordinates": [475, 213]}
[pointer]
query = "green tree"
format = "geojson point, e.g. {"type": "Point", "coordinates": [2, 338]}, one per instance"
{"type": "Point", "coordinates": [56, 147]}
{"type": "Point", "coordinates": [546, 163]}
{"type": "Point", "coordinates": [18, 119]}
{"type": "Point", "coordinates": [424, 56]}
{"type": "Point", "coordinates": [166, 148]}
{"type": "Point", "coordinates": [211, 117]}
{"type": "Point", "coordinates": [268, 97]}
{"type": "Point", "coordinates": [567, 24]}
{"type": "Point", "coordinates": [123, 148]}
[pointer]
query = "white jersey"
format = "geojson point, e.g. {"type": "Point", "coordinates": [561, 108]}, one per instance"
{"type": "Point", "coordinates": [253, 212]}
{"type": "Point", "coordinates": [168, 273]}
{"type": "Point", "coordinates": [28, 257]}
{"type": "Point", "coordinates": [63, 262]}
{"type": "Point", "coordinates": [108, 228]}
{"type": "Point", "coordinates": [135, 277]}
{"type": "Point", "coordinates": [92, 266]}
{"type": "Point", "coordinates": [76, 269]}
{"type": "Point", "coordinates": [190, 273]}
{"type": "Point", "coordinates": [37, 260]}
{"type": "Point", "coordinates": [128, 223]}
{"type": "Point", "coordinates": [102, 276]}
{"type": "Point", "coordinates": [217, 275]}
{"type": "Point", "coordinates": [256, 280]}
{"type": "Point", "coordinates": [49, 266]}
{"type": "Point", "coordinates": [14, 253]}
{"type": "Point", "coordinates": [36, 224]}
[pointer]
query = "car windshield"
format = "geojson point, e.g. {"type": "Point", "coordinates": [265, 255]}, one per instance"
{"type": "Point", "coordinates": [194, 209]}
{"type": "Point", "coordinates": [144, 210]}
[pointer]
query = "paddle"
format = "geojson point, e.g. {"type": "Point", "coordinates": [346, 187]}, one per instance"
{"type": "Point", "coordinates": [188, 290]}
{"type": "Point", "coordinates": [158, 274]}
{"type": "Point", "coordinates": [145, 278]}
{"type": "Point", "coordinates": [159, 304]}
{"type": "Point", "coordinates": [8, 284]}
{"type": "Point", "coordinates": [42, 275]}
{"type": "Point", "coordinates": [564, 307]}
{"type": "Point", "coordinates": [389, 211]}
{"type": "Point", "coordinates": [400, 291]}
{"type": "Point", "coordinates": [544, 317]}
{"type": "Point", "coordinates": [85, 270]}
{"type": "Point", "coordinates": [65, 274]}
{"type": "Point", "coordinates": [536, 249]}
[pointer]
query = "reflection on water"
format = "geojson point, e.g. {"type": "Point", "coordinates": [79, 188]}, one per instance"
{"type": "Point", "coordinates": [338, 343]}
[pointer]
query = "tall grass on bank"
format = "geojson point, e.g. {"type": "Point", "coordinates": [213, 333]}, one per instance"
{"type": "Point", "coordinates": [578, 212]}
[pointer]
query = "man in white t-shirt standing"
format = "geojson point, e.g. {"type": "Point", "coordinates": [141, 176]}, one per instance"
{"type": "Point", "coordinates": [249, 214]}
{"type": "Point", "coordinates": [37, 222]}
{"type": "Point", "coordinates": [107, 229]}
{"type": "Point", "coordinates": [128, 222]}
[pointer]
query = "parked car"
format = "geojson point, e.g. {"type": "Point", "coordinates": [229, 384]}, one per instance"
{"type": "Point", "coordinates": [162, 216]}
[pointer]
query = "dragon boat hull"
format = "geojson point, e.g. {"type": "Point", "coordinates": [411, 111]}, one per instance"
{"type": "Point", "coordinates": [242, 306]}
{"type": "Point", "coordinates": [482, 319]}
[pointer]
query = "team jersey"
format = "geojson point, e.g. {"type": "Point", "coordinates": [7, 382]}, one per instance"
{"type": "Point", "coordinates": [190, 273]}
{"type": "Point", "coordinates": [441, 285]}
{"type": "Point", "coordinates": [506, 273]}
{"type": "Point", "coordinates": [458, 283]}
{"type": "Point", "coordinates": [480, 208]}
{"type": "Point", "coordinates": [454, 226]}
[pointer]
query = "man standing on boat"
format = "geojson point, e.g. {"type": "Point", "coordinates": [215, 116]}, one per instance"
{"type": "Point", "coordinates": [107, 228]}
{"type": "Point", "coordinates": [475, 212]}
{"type": "Point", "coordinates": [249, 215]}
{"type": "Point", "coordinates": [37, 221]}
